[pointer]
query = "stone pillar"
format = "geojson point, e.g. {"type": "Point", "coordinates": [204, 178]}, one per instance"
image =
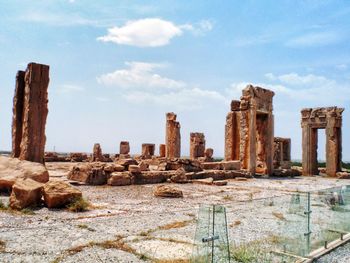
{"type": "Point", "coordinates": [232, 137]}
{"type": "Point", "coordinates": [173, 137]}
{"type": "Point", "coordinates": [269, 144]}
{"type": "Point", "coordinates": [208, 155]}
{"type": "Point", "coordinates": [17, 117]}
{"type": "Point", "coordinates": [35, 110]}
{"type": "Point", "coordinates": [148, 150]}
{"type": "Point", "coordinates": [333, 147]}
{"type": "Point", "coordinates": [309, 148]}
{"type": "Point", "coordinates": [124, 147]}
{"type": "Point", "coordinates": [162, 150]}
{"type": "Point", "coordinates": [252, 140]}
{"type": "Point", "coordinates": [97, 155]}
{"type": "Point", "coordinates": [197, 145]}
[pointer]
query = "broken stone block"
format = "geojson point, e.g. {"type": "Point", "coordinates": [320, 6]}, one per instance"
{"type": "Point", "coordinates": [134, 169]}
{"type": "Point", "coordinates": [119, 179]}
{"type": "Point", "coordinates": [148, 150]}
{"type": "Point", "coordinates": [180, 176]}
{"type": "Point", "coordinates": [88, 174]}
{"type": "Point", "coordinates": [207, 181]}
{"type": "Point", "coordinates": [173, 137]}
{"type": "Point", "coordinates": [220, 183]}
{"type": "Point", "coordinates": [143, 166]}
{"type": "Point", "coordinates": [97, 155]}
{"type": "Point", "coordinates": [162, 150]}
{"type": "Point", "coordinates": [12, 169]}
{"type": "Point", "coordinates": [167, 192]}
{"type": "Point", "coordinates": [58, 194]}
{"type": "Point", "coordinates": [124, 147]}
{"type": "Point", "coordinates": [231, 165]}
{"type": "Point", "coordinates": [26, 193]}
{"type": "Point", "coordinates": [197, 145]}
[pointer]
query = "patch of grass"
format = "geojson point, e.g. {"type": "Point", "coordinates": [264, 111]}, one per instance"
{"type": "Point", "coordinates": [236, 223]}
{"type": "Point", "coordinates": [27, 211]}
{"type": "Point", "coordinates": [279, 215]}
{"type": "Point", "coordinates": [244, 254]}
{"type": "Point", "coordinates": [78, 205]}
{"type": "Point", "coordinates": [178, 224]}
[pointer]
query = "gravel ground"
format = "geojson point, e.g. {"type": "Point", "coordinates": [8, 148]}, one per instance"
{"type": "Point", "coordinates": [340, 255]}
{"type": "Point", "coordinates": [129, 224]}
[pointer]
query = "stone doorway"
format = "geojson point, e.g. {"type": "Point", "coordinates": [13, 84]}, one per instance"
{"type": "Point", "coordinates": [329, 119]}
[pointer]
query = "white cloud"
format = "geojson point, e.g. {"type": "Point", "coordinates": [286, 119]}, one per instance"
{"type": "Point", "coordinates": [141, 84]}
{"type": "Point", "coordinates": [68, 88]}
{"type": "Point", "coordinates": [151, 32]}
{"type": "Point", "coordinates": [342, 66]}
{"type": "Point", "coordinates": [139, 75]}
{"type": "Point", "coordinates": [314, 40]}
{"type": "Point", "coordinates": [295, 79]}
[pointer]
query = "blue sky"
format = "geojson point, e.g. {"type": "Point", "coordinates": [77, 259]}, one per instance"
{"type": "Point", "coordinates": [117, 67]}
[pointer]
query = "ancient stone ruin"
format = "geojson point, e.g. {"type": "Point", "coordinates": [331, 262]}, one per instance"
{"type": "Point", "coordinates": [97, 155]}
{"type": "Point", "coordinates": [249, 130]}
{"type": "Point", "coordinates": [281, 154]}
{"type": "Point", "coordinates": [162, 150]}
{"type": "Point", "coordinates": [329, 119]}
{"type": "Point", "coordinates": [30, 112]}
{"type": "Point", "coordinates": [197, 145]}
{"type": "Point", "coordinates": [148, 150]}
{"type": "Point", "coordinates": [124, 147]}
{"type": "Point", "coordinates": [172, 137]}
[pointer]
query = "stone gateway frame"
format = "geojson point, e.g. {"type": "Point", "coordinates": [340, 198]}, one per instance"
{"type": "Point", "coordinates": [329, 119]}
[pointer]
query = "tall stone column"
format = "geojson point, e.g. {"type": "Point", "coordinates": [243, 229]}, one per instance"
{"type": "Point", "coordinates": [333, 150]}
{"type": "Point", "coordinates": [35, 112]}
{"type": "Point", "coordinates": [309, 145]}
{"type": "Point", "coordinates": [17, 117]}
{"type": "Point", "coordinates": [269, 143]}
{"type": "Point", "coordinates": [232, 138]}
{"type": "Point", "coordinates": [252, 140]}
{"type": "Point", "coordinates": [172, 136]}
{"type": "Point", "coordinates": [197, 145]}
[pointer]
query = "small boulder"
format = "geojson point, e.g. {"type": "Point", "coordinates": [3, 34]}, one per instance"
{"type": "Point", "coordinates": [167, 191]}
{"type": "Point", "coordinates": [119, 178]}
{"type": "Point", "coordinates": [220, 182]}
{"type": "Point", "coordinates": [59, 194]}
{"type": "Point", "coordinates": [134, 169]}
{"type": "Point", "coordinates": [25, 193]}
{"type": "Point", "coordinates": [208, 181]}
{"type": "Point", "coordinates": [180, 176]}
{"type": "Point", "coordinates": [12, 169]}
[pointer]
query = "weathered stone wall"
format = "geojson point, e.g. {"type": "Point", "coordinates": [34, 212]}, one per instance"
{"type": "Point", "coordinates": [249, 130]}
{"type": "Point", "coordinates": [197, 145]}
{"type": "Point", "coordinates": [173, 137]}
{"type": "Point", "coordinates": [30, 109]}
{"type": "Point", "coordinates": [97, 155]}
{"type": "Point", "coordinates": [162, 150]}
{"type": "Point", "coordinates": [148, 150]}
{"type": "Point", "coordinates": [330, 119]}
{"type": "Point", "coordinates": [17, 118]}
{"type": "Point", "coordinates": [282, 153]}
{"type": "Point", "coordinates": [124, 147]}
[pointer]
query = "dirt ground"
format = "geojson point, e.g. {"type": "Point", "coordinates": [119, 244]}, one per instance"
{"type": "Point", "coordinates": [129, 224]}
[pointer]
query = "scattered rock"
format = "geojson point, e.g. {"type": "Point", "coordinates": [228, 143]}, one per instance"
{"type": "Point", "coordinates": [167, 191]}
{"type": "Point", "coordinates": [241, 179]}
{"type": "Point", "coordinates": [26, 193]}
{"type": "Point", "coordinates": [119, 178]}
{"type": "Point", "coordinates": [208, 181]}
{"type": "Point", "coordinates": [12, 169]}
{"type": "Point", "coordinates": [59, 194]}
{"type": "Point", "coordinates": [180, 176]}
{"type": "Point", "coordinates": [134, 169]}
{"type": "Point", "coordinates": [89, 174]}
{"type": "Point", "coordinates": [220, 183]}
{"type": "Point", "coordinates": [343, 175]}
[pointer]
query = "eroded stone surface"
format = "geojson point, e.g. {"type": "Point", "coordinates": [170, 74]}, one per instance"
{"type": "Point", "coordinates": [30, 113]}
{"type": "Point", "coordinates": [173, 137]}
{"type": "Point", "coordinates": [197, 145]}
{"type": "Point", "coordinates": [58, 194]}
{"type": "Point", "coordinates": [25, 193]}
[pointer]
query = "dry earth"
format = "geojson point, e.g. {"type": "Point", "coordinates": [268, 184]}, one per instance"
{"type": "Point", "coordinates": [129, 224]}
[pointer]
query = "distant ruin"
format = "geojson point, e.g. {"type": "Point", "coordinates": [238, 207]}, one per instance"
{"type": "Point", "coordinates": [329, 119]}
{"type": "Point", "coordinates": [172, 137]}
{"type": "Point", "coordinates": [249, 130]}
{"type": "Point", "coordinates": [30, 113]}
{"type": "Point", "coordinates": [197, 145]}
{"type": "Point", "coordinates": [148, 150]}
{"type": "Point", "coordinates": [281, 153]}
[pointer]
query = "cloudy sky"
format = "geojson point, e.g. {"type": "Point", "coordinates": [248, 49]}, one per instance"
{"type": "Point", "coordinates": [117, 67]}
